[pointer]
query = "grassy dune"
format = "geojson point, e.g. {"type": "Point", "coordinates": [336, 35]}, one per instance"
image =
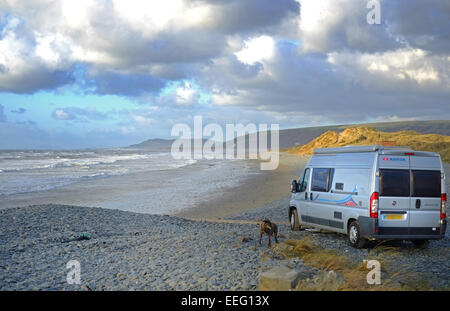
{"type": "Point", "coordinates": [355, 274]}
{"type": "Point", "coordinates": [369, 136]}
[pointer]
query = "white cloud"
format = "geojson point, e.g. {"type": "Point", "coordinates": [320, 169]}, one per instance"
{"type": "Point", "coordinates": [142, 120]}
{"type": "Point", "coordinates": [317, 19]}
{"type": "Point", "coordinates": [256, 50]}
{"type": "Point", "coordinates": [183, 94]}
{"type": "Point", "coordinates": [395, 69]}
{"type": "Point", "coordinates": [61, 115]}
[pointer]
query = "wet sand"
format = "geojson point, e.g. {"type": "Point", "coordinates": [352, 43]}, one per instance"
{"type": "Point", "coordinates": [259, 190]}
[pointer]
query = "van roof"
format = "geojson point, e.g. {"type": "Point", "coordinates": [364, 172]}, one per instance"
{"type": "Point", "coordinates": [375, 148]}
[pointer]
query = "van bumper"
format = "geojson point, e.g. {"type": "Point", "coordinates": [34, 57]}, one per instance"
{"type": "Point", "coordinates": [369, 229]}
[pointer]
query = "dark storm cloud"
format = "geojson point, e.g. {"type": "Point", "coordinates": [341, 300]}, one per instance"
{"type": "Point", "coordinates": [423, 24]}
{"type": "Point", "coordinates": [125, 84]}
{"type": "Point", "coordinates": [310, 87]}
{"type": "Point", "coordinates": [239, 16]}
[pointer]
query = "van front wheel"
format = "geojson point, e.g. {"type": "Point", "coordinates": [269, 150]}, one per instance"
{"type": "Point", "coordinates": [295, 225]}
{"type": "Point", "coordinates": [354, 235]}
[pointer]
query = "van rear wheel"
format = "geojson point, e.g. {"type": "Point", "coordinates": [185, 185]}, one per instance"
{"type": "Point", "coordinates": [295, 225]}
{"type": "Point", "coordinates": [421, 243]}
{"type": "Point", "coordinates": [354, 235]}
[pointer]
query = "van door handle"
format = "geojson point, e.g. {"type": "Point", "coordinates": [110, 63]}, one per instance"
{"type": "Point", "coordinates": [418, 203]}
{"type": "Point", "coordinates": [306, 195]}
{"type": "Point", "coordinates": [310, 196]}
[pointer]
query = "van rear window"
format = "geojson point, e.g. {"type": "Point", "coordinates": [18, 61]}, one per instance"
{"type": "Point", "coordinates": [394, 183]}
{"type": "Point", "coordinates": [426, 184]}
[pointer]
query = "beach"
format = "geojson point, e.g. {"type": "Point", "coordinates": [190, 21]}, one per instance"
{"type": "Point", "coordinates": [130, 246]}
{"type": "Point", "coordinates": [205, 188]}
{"type": "Point", "coordinates": [208, 244]}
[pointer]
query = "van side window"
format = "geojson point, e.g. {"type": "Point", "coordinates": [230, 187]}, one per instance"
{"type": "Point", "coordinates": [330, 179]}
{"type": "Point", "coordinates": [305, 180]}
{"type": "Point", "coordinates": [321, 179]}
{"type": "Point", "coordinates": [426, 184]}
{"type": "Point", "coordinates": [394, 183]}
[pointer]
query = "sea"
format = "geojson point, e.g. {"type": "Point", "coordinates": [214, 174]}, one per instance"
{"type": "Point", "coordinates": [24, 171]}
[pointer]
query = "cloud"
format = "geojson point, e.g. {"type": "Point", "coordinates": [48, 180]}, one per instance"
{"type": "Point", "coordinates": [121, 40]}
{"type": "Point", "coordinates": [26, 66]}
{"type": "Point", "coordinates": [334, 88]}
{"type": "Point", "coordinates": [75, 113]}
{"type": "Point", "coordinates": [298, 62]}
{"type": "Point", "coordinates": [256, 49]}
{"type": "Point", "coordinates": [133, 85]}
{"type": "Point", "coordinates": [330, 25]}
{"type": "Point", "coordinates": [410, 70]}
{"type": "Point", "coordinates": [2, 115]}
{"type": "Point", "coordinates": [179, 94]}
{"type": "Point", "coordinates": [422, 24]}
{"type": "Point", "coordinates": [19, 110]}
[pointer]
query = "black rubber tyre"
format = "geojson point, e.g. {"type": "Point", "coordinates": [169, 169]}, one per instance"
{"type": "Point", "coordinates": [295, 224]}
{"type": "Point", "coordinates": [421, 243]}
{"type": "Point", "coordinates": [354, 235]}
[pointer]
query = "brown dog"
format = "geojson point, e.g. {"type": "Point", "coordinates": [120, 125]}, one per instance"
{"type": "Point", "coordinates": [269, 228]}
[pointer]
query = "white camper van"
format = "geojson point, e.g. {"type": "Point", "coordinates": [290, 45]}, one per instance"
{"type": "Point", "coordinates": [372, 192]}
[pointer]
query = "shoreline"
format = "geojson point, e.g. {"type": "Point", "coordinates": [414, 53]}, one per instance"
{"type": "Point", "coordinates": [150, 192]}
{"type": "Point", "coordinates": [257, 190]}
{"type": "Point", "coordinates": [206, 189]}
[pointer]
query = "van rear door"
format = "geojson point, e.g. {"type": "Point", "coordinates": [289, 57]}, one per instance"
{"type": "Point", "coordinates": [425, 192]}
{"type": "Point", "coordinates": [394, 193]}
{"type": "Point", "coordinates": [394, 199]}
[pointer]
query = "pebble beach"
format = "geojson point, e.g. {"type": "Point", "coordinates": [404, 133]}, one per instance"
{"type": "Point", "coordinates": [124, 250]}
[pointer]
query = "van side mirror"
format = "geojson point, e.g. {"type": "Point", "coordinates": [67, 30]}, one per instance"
{"type": "Point", "coordinates": [294, 186]}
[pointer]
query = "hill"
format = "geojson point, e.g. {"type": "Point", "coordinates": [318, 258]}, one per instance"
{"type": "Point", "coordinates": [370, 136]}
{"type": "Point", "coordinates": [301, 136]}
{"type": "Point", "coordinates": [156, 144]}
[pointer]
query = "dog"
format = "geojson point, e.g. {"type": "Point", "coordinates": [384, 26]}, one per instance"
{"type": "Point", "coordinates": [268, 228]}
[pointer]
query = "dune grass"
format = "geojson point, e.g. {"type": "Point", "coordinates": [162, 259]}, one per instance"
{"type": "Point", "coordinates": [355, 273]}
{"type": "Point", "coordinates": [369, 136]}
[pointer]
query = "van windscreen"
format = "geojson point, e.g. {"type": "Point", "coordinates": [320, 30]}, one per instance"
{"type": "Point", "coordinates": [426, 184]}
{"type": "Point", "coordinates": [394, 183]}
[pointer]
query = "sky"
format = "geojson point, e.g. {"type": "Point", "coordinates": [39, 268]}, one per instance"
{"type": "Point", "coordinates": [88, 74]}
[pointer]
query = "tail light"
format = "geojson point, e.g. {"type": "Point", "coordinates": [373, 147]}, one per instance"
{"type": "Point", "coordinates": [374, 205]}
{"type": "Point", "coordinates": [443, 209]}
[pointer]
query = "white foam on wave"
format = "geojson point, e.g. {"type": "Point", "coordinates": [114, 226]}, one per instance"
{"type": "Point", "coordinates": [57, 162]}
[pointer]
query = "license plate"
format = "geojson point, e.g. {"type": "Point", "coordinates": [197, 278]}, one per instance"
{"type": "Point", "coordinates": [393, 216]}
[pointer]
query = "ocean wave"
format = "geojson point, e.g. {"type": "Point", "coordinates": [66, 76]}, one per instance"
{"type": "Point", "coordinates": [22, 165]}
{"type": "Point", "coordinates": [39, 173]}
